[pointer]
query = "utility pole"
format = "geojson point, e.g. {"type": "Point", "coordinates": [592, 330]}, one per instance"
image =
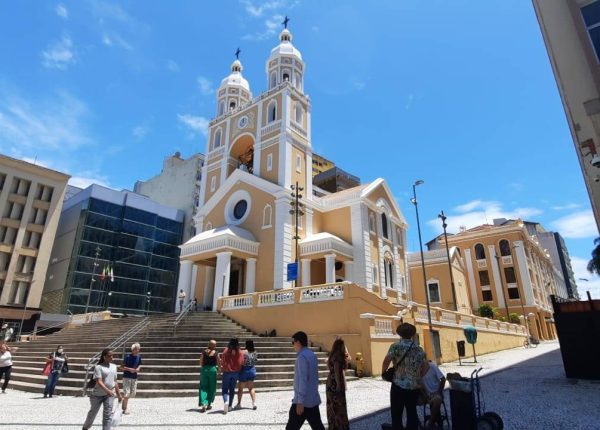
{"type": "Point", "coordinates": [444, 225]}
{"type": "Point", "coordinates": [97, 255]}
{"type": "Point", "coordinates": [297, 212]}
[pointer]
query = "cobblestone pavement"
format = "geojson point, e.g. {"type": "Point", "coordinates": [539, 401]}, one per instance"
{"type": "Point", "coordinates": [528, 394]}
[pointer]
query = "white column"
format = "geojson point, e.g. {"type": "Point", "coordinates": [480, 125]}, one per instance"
{"type": "Point", "coordinates": [497, 277]}
{"type": "Point", "coordinates": [283, 243]}
{"type": "Point", "coordinates": [185, 279]}
{"type": "Point", "coordinates": [349, 271]}
{"type": "Point", "coordinates": [519, 248]}
{"type": "Point", "coordinates": [192, 293]}
{"type": "Point", "coordinates": [471, 275]}
{"type": "Point", "coordinates": [222, 272]}
{"type": "Point", "coordinates": [329, 268]}
{"type": "Point", "coordinates": [250, 275]}
{"type": "Point", "coordinates": [305, 271]}
{"type": "Point", "coordinates": [209, 284]}
{"type": "Point", "coordinates": [258, 142]}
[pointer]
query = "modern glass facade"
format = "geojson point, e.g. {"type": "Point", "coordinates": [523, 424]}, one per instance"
{"type": "Point", "coordinates": [137, 262]}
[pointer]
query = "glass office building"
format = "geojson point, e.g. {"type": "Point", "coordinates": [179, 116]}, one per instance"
{"type": "Point", "coordinates": [114, 250]}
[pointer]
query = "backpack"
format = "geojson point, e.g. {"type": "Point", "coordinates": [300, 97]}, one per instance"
{"type": "Point", "coordinates": [92, 382]}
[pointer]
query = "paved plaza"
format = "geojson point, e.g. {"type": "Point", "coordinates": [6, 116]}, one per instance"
{"type": "Point", "coordinates": [525, 386]}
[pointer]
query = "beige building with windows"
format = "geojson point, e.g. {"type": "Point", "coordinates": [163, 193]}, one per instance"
{"type": "Point", "coordinates": [507, 268]}
{"type": "Point", "coordinates": [321, 164]}
{"type": "Point", "coordinates": [31, 199]}
{"type": "Point", "coordinates": [571, 31]}
{"type": "Point", "coordinates": [257, 149]}
{"type": "Point", "coordinates": [439, 283]}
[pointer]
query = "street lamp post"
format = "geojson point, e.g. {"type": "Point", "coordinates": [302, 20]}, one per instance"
{"type": "Point", "coordinates": [443, 217]}
{"type": "Point", "coordinates": [415, 202]}
{"type": "Point", "coordinates": [296, 211]}
{"type": "Point", "coordinates": [108, 300]}
{"type": "Point", "coordinates": [96, 257]}
{"type": "Point", "coordinates": [148, 296]}
{"type": "Point", "coordinates": [24, 310]}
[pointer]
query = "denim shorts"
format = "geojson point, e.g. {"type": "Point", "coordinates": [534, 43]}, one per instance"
{"type": "Point", "coordinates": [247, 374]}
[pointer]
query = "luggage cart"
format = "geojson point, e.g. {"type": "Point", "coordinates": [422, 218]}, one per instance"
{"type": "Point", "coordinates": [467, 405]}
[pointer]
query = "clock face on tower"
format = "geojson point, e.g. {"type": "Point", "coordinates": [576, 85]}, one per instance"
{"type": "Point", "coordinates": [243, 122]}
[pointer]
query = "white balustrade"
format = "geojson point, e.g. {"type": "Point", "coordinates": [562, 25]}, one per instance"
{"type": "Point", "coordinates": [481, 322]}
{"type": "Point", "coordinates": [274, 298]}
{"type": "Point", "coordinates": [383, 327]}
{"type": "Point", "coordinates": [321, 293]}
{"type": "Point", "coordinates": [275, 125]}
{"type": "Point", "coordinates": [237, 302]}
{"type": "Point", "coordinates": [297, 128]}
{"type": "Point", "coordinates": [448, 317]}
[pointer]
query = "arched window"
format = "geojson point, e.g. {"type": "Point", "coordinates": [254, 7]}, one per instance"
{"type": "Point", "coordinates": [299, 113]}
{"type": "Point", "coordinates": [371, 222]}
{"type": "Point", "coordinates": [504, 248]}
{"type": "Point", "coordinates": [272, 112]}
{"type": "Point", "coordinates": [217, 140]}
{"type": "Point", "coordinates": [286, 76]}
{"type": "Point", "coordinates": [232, 105]}
{"type": "Point", "coordinates": [388, 265]}
{"type": "Point", "coordinates": [384, 226]}
{"type": "Point", "coordinates": [273, 80]}
{"type": "Point", "coordinates": [267, 215]}
{"type": "Point", "coordinates": [221, 107]}
{"type": "Point", "coordinates": [479, 252]}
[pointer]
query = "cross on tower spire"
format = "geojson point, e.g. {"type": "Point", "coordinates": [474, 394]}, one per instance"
{"type": "Point", "coordinates": [285, 22]}
{"type": "Point", "coordinates": [237, 54]}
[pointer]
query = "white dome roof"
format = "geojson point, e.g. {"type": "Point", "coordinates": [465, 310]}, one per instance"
{"type": "Point", "coordinates": [236, 78]}
{"type": "Point", "coordinates": [285, 47]}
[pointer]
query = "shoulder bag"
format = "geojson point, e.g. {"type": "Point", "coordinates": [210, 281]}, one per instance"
{"type": "Point", "coordinates": [388, 375]}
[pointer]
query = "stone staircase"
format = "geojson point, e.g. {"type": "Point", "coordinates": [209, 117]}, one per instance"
{"type": "Point", "coordinates": [170, 362]}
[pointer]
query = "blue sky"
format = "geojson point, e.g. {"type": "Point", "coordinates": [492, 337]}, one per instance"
{"type": "Point", "coordinates": [459, 94]}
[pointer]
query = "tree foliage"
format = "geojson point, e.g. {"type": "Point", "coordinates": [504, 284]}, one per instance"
{"type": "Point", "coordinates": [593, 265]}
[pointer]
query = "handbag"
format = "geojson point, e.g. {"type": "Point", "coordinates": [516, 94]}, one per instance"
{"type": "Point", "coordinates": [92, 381]}
{"type": "Point", "coordinates": [47, 369]}
{"type": "Point", "coordinates": [388, 375]}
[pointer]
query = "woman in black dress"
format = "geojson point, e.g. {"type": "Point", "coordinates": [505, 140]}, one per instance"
{"type": "Point", "coordinates": [337, 414]}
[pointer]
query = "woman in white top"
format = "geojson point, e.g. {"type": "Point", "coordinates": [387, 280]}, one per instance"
{"type": "Point", "coordinates": [105, 390]}
{"type": "Point", "coordinates": [5, 364]}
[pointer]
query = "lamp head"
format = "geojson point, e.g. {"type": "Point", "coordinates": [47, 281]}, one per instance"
{"type": "Point", "coordinates": [419, 182]}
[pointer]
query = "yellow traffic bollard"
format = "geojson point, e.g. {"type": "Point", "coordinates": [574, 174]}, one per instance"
{"type": "Point", "coordinates": [360, 365]}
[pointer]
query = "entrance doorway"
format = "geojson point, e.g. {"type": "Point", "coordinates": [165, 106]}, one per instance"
{"type": "Point", "coordinates": [234, 282]}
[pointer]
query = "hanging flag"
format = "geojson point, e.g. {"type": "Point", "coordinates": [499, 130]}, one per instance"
{"type": "Point", "coordinates": [112, 275]}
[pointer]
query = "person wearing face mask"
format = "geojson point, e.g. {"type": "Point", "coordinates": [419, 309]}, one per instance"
{"type": "Point", "coordinates": [104, 392]}
{"type": "Point", "coordinates": [58, 365]}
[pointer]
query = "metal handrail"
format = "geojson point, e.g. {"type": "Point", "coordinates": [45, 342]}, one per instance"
{"type": "Point", "coordinates": [117, 343]}
{"type": "Point", "coordinates": [186, 310]}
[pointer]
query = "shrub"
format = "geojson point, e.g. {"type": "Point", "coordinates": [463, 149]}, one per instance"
{"type": "Point", "coordinates": [514, 318]}
{"type": "Point", "coordinates": [486, 311]}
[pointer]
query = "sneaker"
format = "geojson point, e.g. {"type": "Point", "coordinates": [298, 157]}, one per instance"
{"type": "Point", "coordinates": [253, 407]}
{"type": "Point", "coordinates": [237, 407]}
{"type": "Point", "coordinates": [126, 412]}
{"type": "Point", "coordinates": [3, 392]}
{"type": "Point", "coordinates": [209, 407]}
{"type": "Point", "coordinates": [225, 408]}
{"type": "Point", "coordinates": [45, 396]}
{"type": "Point", "coordinates": [202, 408]}
{"type": "Point", "coordinates": [50, 395]}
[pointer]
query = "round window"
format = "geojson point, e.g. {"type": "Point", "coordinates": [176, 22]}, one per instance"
{"type": "Point", "coordinates": [240, 208]}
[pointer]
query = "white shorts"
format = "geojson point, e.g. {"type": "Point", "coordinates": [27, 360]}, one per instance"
{"type": "Point", "coordinates": [129, 387]}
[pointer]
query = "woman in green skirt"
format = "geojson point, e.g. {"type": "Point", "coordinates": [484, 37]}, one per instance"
{"type": "Point", "coordinates": [208, 377]}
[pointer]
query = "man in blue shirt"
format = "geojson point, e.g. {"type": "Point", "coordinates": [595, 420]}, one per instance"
{"type": "Point", "coordinates": [305, 405]}
{"type": "Point", "coordinates": [131, 366]}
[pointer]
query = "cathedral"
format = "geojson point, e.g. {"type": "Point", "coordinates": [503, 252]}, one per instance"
{"type": "Point", "coordinates": [260, 224]}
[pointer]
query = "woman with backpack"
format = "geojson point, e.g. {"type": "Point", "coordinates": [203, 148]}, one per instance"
{"type": "Point", "coordinates": [56, 365]}
{"type": "Point", "coordinates": [106, 388]}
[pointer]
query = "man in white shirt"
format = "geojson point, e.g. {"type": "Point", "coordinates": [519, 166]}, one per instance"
{"type": "Point", "coordinates": [433, 383]}
{"type": "Point", "coordinates": [182, 297]}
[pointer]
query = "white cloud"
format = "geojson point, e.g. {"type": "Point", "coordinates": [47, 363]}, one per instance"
{"type": "Point", "coordinates": [271, 26]}
{"type": "Point", "coordinates": [114, 39]}
{"type": "Point", "coordinates": [140, 131]}
{"type": "Point", "coordinates": [87, 180]}
{"type": "Point", "coordinates": [578, 225]}
{"type": "Point", "coordinates": [197, 124]}
{"type": "Point", "coordinates": [62, 11]}
{"type": "Point", "coordinates": [567, 206]}
{"type": "Point", "coordinates": [478, 212]}
{"type": "Point", "coordinates": [257, 9]}
{"type": "Point", "coordinates": [172, 66]}
{"type": "Point", "coordinates": [59, 55]}
{"type": "Point", "coordinates": [592, 284]}
{"type": "Point", "coordinates": [205, 86]}
{"type": "Point", "coordinates": [409, 101]}
{"type": "Point", "coordinates": [54, 124]}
